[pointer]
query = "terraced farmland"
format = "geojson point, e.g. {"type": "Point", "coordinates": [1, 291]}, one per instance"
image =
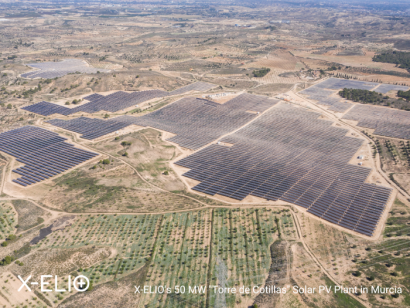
{"type": "Point", "coordinates": [241, 239]}
{"type": "Point", "coordinates": [131, 237]}
{"type": "Point", "coordinates": [181, 259]}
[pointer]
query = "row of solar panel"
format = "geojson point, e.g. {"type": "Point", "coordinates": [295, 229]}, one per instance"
{"type": "Point", "coordinates": [113, 102]}
{"type": "Point", "coordinates": [194, 121]}
{"type": "Point", "coordinates": [44, 153]}
{"type": "Point", "coordinates": [290, 154]}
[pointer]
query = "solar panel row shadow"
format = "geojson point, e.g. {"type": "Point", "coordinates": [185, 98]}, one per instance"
{"type": "Point", "coordinates": [290, 154]}
{"type": "Point", "coordinates": [43, 153]}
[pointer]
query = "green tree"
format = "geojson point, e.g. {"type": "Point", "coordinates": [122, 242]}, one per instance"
{"type": "Point", "coordinates": [7, 260]}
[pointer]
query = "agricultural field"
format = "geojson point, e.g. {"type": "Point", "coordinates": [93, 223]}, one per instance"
{"type": "Point", "coordinates": [394, 158]}
{"type": "Point", "coordinates": [181, 259]}
{"type": "Point", "coordinates": [8, 220]}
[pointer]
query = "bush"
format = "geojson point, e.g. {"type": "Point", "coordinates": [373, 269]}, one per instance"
{"type": "Point", "coordinates": [261, 72]}
{"type": "Point", "coordinates": [166, 172]}
{"type": "Point", "coordinates": [91, 287]}
{"type": "Point", "coordinates": [7, 260]}
{"type": "Point", "coordinates": [356, 274]}
{"type": "Point", "coordinates": [125, 143]}
{"type": "Point", "coordinates": [4, 244]}
{"type": "Point", "coordinates": [9, 106]}
{"type": "Point", "coordinates": [106, 161]}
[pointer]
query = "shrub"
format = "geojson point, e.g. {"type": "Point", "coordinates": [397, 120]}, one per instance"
{"type": "Point", "coordinates": [7, 260]}
{"type": "Point", "coordinates": [261, 72]}
{"type": "Point", "coordinates": [356, 274]}
{"type": "Point", "coordinates": [106, 161]}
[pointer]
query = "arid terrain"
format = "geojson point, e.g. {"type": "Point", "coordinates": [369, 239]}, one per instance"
{"type": "Point", "coordinates": [139, 212]}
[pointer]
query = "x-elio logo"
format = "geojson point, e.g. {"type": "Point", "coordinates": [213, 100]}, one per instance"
{"type": "Point", "coordinates": [80, 283]}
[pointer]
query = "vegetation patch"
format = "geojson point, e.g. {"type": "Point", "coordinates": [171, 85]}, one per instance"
{"type": "Point", "coordinates": [261, 72]}
{"type": "Point", "coordinates": [374, 98]}
{"type": "Point", "coordinates": [29, 215]}
{"type": "Point", "coordinates": [401, 58]}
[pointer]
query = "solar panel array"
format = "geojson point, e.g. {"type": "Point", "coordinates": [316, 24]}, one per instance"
{"type": "Point", "coordinates": [59, 69]}
{"type": "Point", "coordinates": [113, 102]}
{"type": "Point", "coordinates": [291, 155]}
{"type": "Point", "coordinates": [92, 128]}
{"type": "Point", "coordinates": [322, 96]}
{"type": "Point", "coordinates": [337, 83]}
{"type": "Point", "coordinates": [196, 122]}
{"type": "Point", "coordinates": [386, 122]}
{"type": "Point", "coordinates": [384, 88]}
{"type": "Point", "coordinates": [323, 91]}
{"type": "Point", "coordinates": [44, 153]}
